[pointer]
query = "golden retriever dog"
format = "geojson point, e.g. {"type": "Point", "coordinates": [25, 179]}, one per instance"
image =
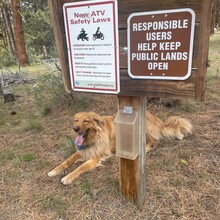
{"type": "Point", "coordinates": [95, 139]}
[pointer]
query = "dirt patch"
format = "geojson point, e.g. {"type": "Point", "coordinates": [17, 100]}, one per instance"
{"type": "Point", "coordinates": [183, 177]}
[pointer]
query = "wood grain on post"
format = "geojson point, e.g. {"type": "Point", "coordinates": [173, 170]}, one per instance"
{"type": "Point", "coordinates": [194, 87]}
{"type": "Point", "coordinates": [56, 15]}
{"type": "Point", "coordinates": [132, 175]}
{"type": "Point", "coordinates": [203, 48]}
{"type": "Point", "coordinates": [132, 172]}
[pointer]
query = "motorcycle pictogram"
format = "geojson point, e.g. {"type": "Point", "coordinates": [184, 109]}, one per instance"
{"type": "Point", "coordinates": [98, 35]}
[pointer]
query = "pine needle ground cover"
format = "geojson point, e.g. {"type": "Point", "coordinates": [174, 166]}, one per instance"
{"type": "Point", "coordinates": [183, 177]}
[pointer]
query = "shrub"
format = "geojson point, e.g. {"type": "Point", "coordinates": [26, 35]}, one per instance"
{"type": "Point", "coordinates": [6, 58]}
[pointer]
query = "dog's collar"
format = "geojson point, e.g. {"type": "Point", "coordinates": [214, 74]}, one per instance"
{"type": "Point", "coordinates": [80, 147]}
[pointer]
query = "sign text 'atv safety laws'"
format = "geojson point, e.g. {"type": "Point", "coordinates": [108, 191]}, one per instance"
{"type": "Point", "coordinates": [92, 42]}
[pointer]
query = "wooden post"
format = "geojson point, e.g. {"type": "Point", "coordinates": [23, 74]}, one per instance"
{"type": "Point", "coordinates": [132, 172]}
{"type": "Point", "coordinates": [56, 15]}
{"type": "Point", "coordinates": [203, 49]}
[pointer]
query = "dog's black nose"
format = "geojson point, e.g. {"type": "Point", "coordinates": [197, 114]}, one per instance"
{"type": "Point", "coordinates": [76, 128]}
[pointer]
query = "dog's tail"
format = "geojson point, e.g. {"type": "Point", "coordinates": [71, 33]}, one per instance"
{"type": "Point", "coordinates": [176, 127]}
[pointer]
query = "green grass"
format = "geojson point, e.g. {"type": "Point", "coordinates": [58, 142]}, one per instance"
{"type": "Point", "coordinates": [6, 118]}
{"type": "Point", "coordinates": [46, 91]}
{"type": "Point", "coordinates": [81, 103]}
{"type": "Point", "coordinates": [33, 69]}
{"type": "Point", "coordinates": [214, 42]}
{"type": "Point", "coordinates": [214, 57]}
{"type": "Point", "coordinates": [159, 192]}
{"type": "Point", "coordinates": [189, 106]}
{"type": "Point", "coordinates": [6, 156]}
{"type": "Point", "coordinates": [65, 146]}
{"type": "Point", "coordinates": [177, 182]}
{"type": "Point", "coordinates": [16, 121]}
{"type": "Point", "coordinates": [20, 145]}
{"type": "Point", "coordinates": [54, 203]}
{"type": "Point", "coordinates": [85, 187]}
{"type": "Point", "coordinates": [214, 71]}
{"type": "Point", "coordinates": [2, 120]}
{"type": "Point", "coordinates": [46, 110]}
{"type": "Point", "coordinates": [184, 155]}
{"type": "Point", "coordinates": [32, 124]}
{"type": "Point", "coordinates": [27, 157]}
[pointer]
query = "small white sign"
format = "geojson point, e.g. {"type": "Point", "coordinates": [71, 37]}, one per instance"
{"type": "Point", "coordinates": [92, 42]}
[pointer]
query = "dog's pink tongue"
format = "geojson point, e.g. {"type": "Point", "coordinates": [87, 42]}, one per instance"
{"type": "Point", "coordinates": [79, 139]}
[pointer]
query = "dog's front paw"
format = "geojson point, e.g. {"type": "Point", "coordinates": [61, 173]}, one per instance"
{"type": "Point", "coordinates": [54, 172]}
{"type": "Point", "coordinates": [66, 180]}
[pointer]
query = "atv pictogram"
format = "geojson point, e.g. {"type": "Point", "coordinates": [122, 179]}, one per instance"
{"type": "Point", "coordinates": [83, 35]}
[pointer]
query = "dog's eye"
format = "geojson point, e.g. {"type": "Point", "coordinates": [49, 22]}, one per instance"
{"type": "Point", "coordinates": [76, 120]}
{"type": "Point", "coordinates": [86, 120]}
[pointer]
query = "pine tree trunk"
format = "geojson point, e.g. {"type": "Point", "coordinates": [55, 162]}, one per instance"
{"type": "Point", "coordinates": [3, 33]}
{"type": "Point", "coordinates": [19, 33]}
{"type": "Point", "coordinates": [10, 32]}
{"type": "Point", "coordinates": [217, 13]}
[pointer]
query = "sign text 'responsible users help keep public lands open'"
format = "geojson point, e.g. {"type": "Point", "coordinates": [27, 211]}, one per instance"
{"type": "Point", "coordinates": [160, 44]}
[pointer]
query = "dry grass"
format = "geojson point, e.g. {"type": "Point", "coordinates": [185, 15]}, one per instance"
{"type": "Point", "coordinates": [183, 177]}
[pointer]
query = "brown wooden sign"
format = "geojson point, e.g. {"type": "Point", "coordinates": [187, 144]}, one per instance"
{"type": "Point", "coordinates": [193, 87]}
{"type": "Point", "coordinates": [160, 44]}
{"type": "Point", "coordinates": [132, 174]}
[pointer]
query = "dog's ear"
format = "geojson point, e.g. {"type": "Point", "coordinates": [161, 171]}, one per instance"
{"type": "Point", "coordinates": [98, 119]}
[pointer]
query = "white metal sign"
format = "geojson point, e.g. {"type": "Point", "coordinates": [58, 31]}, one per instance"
{"type": "Point", "coordinates": [92, 42]}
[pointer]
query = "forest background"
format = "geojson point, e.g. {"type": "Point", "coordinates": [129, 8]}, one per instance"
{"type": "Point", "coordinates": [26, 33]}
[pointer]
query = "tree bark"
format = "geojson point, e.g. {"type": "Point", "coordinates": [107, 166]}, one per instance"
{"type": "Point", "coordinates": [3, 34]}
{"type": "Point", "coordinates": [217, 13]}
{"type": "Point", "coordinates": [9, 32]}
{"type": "Point", "coordinates": [215, 20]}
{"type": "Point", "coordinates": [19, 33]}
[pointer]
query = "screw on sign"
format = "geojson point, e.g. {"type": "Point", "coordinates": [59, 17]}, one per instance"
{"type": "Point", "coordinates": [160, 44]}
